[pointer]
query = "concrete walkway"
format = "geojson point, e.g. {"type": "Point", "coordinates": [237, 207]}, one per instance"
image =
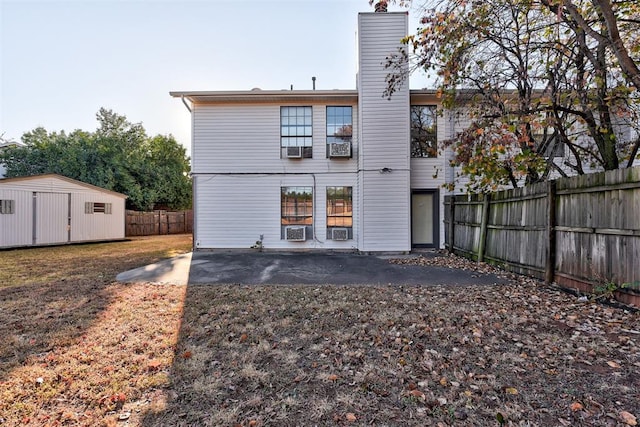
{"type": "Point", "coordinates": [257, 268]}
{"type": "Point", "coordinates": [173, 271]}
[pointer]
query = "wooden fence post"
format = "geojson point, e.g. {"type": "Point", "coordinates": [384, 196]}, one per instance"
{"type": "Point", "coordinates": [452, 218]}
{"type": "Point", "coordinates": [483, 226]}
{"type": "Point", "coordinates": [550, 262]}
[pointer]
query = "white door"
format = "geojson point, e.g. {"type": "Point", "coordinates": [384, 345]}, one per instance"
{"type": "Point", "coordinates": [424, 224]}
{"type": "Point", "coordinates": [51, 218]}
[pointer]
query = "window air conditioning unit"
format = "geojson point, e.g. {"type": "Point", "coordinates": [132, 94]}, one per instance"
{"type": "Point", "coordinates": [295, 234]}
{"type": "Point", "coordinates": [339, 233]}
{"type": "Point", "coordinates": [340, 149]}
{"type": "Point", "coordinates": [294, 152]}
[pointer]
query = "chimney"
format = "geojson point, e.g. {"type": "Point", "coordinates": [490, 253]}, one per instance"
{"type": "Point", "coordinates": [313, 79]}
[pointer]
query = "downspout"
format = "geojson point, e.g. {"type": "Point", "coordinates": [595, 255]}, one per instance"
{"type": "Point", "coordinates": [196, 242]}
{"type": "Point", "coordinates": [450, 170]}
{"type": "Point", "coordinates": [185, 103]}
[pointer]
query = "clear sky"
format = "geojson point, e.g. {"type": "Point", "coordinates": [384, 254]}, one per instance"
{"type": "Point", "coordinates": [60, 61]}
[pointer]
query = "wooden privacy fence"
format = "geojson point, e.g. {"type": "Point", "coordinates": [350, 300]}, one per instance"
{"type": "Point", "coordinates": [579, 232]}
{"type": "Point", "coordinates": [158, 222]}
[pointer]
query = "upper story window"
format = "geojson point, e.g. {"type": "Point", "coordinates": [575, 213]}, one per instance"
{"type": "Point", "coordinates": [296, 132]}
{"type": "Point", "coordinates": [339, 130]}
{"type": "Point", "coordinates": [548, 144]}
{"type": "Point", "coordinates": [424, 135]}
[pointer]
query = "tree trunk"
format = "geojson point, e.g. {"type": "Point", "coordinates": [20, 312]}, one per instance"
{"type": "Point", "coordinates": [628, 65]}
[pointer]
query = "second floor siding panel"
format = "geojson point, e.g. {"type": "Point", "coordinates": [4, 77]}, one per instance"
{"type": "Point", "coordinates": [235, 137]}
{"type": "Point", "coordinates": [245, 138]}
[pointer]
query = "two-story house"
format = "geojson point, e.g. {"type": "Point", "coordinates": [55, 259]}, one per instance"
{"type": "Point", "coordinates": [337, 169]}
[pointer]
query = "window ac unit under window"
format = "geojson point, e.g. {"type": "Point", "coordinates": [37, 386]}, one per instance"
{"type": "Point", "coordinates": [340, 149]}
{"type": "Point", "coordinates": [339, 233]}
{"type": "Point", "coordinates": [295, 234]}
{"type": "Point", "coordinates": [294, 152]}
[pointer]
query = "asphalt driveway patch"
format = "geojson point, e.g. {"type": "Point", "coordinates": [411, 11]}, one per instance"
{"type": "Point", "coordinates": [300, 268]}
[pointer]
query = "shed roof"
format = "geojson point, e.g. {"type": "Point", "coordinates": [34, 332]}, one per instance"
{"type": "Point", "coordinates": [62, 178]}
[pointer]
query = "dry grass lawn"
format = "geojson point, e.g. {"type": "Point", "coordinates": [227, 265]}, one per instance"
{"type": "Point", "coordinates": [79, 349]}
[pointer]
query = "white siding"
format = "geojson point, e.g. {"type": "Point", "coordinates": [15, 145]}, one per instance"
{"type": "Point", "coordinates": [52, 216]}
{"type": "Point", "coordinates": [16, 229]}
{"type": "Point", "coordinates": [51, 211]}
{"type": "Point", "coordinates": [245, 138]}
{"type": "Point", "coordinates": [238, 173]}
{"type": "Point", "coordinates": [384, 137]}
{"type": "Point", "coordinates": [232, 211]}
{"type": "Point", "coordinates": [96, 226]}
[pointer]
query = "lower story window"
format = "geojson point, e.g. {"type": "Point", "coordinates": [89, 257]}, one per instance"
{"type": "Point", "coordinates": [296, 207]}
{"type": "Point", "coordinates": [339, 213]}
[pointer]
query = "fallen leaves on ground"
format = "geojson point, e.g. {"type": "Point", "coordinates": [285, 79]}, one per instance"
{"type": "Point", "coordinates": [628, 418]}
{"type": "Point", "coordinates": [404, 355]}
{"type": "Point", "coordinates": [446, 259]}
{"type": "Point", "coordinates": [91, 352]}
{"type": "Point", "coordinates": [76, 348]}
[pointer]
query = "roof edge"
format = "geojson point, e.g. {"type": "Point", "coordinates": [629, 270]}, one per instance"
{"type": "Point", "coordinates": [63, 178]}
{"type": "Point", "coordinates": [275, 96]}
{"type": "Point", "coordinates": [260, 92]}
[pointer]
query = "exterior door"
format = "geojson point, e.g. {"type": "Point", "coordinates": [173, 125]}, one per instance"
{"type": "Point", "coordinates": [51, 217]}
{"type": "Point", "coordinates": [424, 219]}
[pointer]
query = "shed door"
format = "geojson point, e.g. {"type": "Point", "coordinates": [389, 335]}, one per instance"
{"type": "Point", "coordinates": [51, 218]}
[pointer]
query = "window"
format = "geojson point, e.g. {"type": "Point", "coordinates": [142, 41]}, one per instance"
{"type": "Point", "coordinates": [296, 205]}
{"type": "Point", "coordinates": [424, 135]}
{"type": "Point", "coordinates": [548, 144]}
{"type": "Point", "coordinates": [6, 207]}
{"type": "Point", "coordinates": [97, 207]}
{"type": "Point", "coordinates": [339, 126]}
{"type": "Point", "coordinates": [339, 212]}
{"type": "Point", "coordinates": [296, 130]}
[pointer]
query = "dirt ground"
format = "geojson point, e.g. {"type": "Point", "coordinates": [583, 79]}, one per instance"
{"type": "Point", "coordinates": [79, 349]}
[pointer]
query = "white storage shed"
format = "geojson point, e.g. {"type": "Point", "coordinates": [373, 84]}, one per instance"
{"type": "Point", "coordinates": [52, 209]}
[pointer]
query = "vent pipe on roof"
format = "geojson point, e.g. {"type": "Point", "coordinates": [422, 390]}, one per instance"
{"type": "Point", "coordinates": [291, 87]}
{"type": "Point", "coordinates": [381, 6]}
{"type": "Point", "coordinates": [313, 79]}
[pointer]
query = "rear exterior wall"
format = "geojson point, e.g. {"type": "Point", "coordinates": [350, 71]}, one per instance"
{"type": "Point", "coordinates": [238, 173]}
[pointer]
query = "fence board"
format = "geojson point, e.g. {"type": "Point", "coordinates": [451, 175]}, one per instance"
{"type": "Point", "coordinates": [582, 230]}
{"type": "Point", "coordinates": [158, 222]}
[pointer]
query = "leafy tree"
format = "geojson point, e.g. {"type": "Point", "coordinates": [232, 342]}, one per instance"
{"type": "Point", "coordinates": [531, 79]}
{"type": "Point", "coordinates": [600, 20]}
{"type": "Point", "coordinates": [168, 160]}
{"type": "Point", "coordinates": [118, 156]}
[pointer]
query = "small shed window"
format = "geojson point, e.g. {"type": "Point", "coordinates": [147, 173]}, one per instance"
{"type": "Point", "coordinates": [97, 207]}
{"type": "Point", "coordinates": [7, 206]}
